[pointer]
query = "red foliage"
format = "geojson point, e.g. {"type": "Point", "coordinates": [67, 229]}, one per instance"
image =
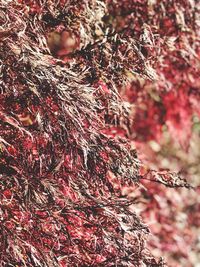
{"type": "Point", "coordinates": [70, 177]}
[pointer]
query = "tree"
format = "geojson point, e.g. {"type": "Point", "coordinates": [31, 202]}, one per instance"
{"type": "Point", "coordinates": [67, 155]}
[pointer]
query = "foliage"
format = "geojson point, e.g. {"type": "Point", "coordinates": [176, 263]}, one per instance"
{"type": "Point", "coordinates": [70, 178]}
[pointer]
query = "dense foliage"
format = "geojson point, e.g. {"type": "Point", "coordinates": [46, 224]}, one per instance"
{"type": "Point", "coordinates": [83, 84]}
